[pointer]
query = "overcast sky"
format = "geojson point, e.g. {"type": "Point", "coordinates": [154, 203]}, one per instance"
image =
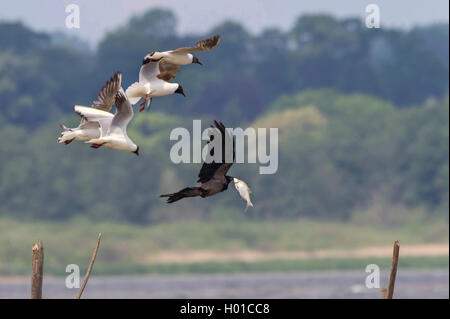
{"type": "Point", "coordinates": [200, 15]}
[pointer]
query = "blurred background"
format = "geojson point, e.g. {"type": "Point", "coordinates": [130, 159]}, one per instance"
{"type": "Point", "coordinates": [363, 118]}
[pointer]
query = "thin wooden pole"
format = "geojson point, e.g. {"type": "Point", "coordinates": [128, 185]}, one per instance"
{"type": "Point", "coordinates": [91, 264]}
{"type": "Point", "coordinates": [37, 270]}
{"type": "Point", "coordinates": [391, 284]}
{"type": "Point", "coordinates": [383, 293]}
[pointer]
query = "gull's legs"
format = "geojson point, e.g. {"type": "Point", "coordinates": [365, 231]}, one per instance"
{"type": "Point", "coordinates": [149, 104]}
{"type": "Point", "coordinates": [142, 103]}
{"type": "Point", "coordinates": [69, 141]}
{"type": "Point", "coordinates": [96, 145]}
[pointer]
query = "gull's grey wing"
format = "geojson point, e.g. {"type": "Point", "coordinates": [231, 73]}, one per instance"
{"type": "Point", "coordinates": [107, 94]}
{"type": "Point", "coordinates": [213, 169]}
{"type": "Point", "coordinates": [201, 46]}
{"type": "Point", "coordinates": [123, 114]}
{"type": "Point", "coordinates": [149, 70]}
{"type": "Point", "coordinates": [88, 125]}
{"type": "Point", "coordinates": [90, 114]}
{"type": "Point", "coordinates": [167, 71]}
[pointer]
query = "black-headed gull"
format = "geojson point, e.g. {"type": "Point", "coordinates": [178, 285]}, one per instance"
{"type": "Point", "coordinates": [113, 130]}
{"type": "Point", "coordinates": [170, 61]}
{"type": "Point", "coordinates": [88, 130]}
{"type": "Point", "coordinates": [183, 56]}
{"type": "Point", "coordinates": [158, 68]}
{"type": "Point", "coordinates": [212, 178]}
{"type": "Point", "coordinates": [150, 84]}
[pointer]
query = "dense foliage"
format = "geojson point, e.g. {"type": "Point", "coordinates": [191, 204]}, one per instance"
{"type": "Point", "coordinates": [363, 118]}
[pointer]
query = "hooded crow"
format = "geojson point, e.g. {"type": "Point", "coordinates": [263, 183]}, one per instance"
{"type": "Point", "coordinates": [212, 178]}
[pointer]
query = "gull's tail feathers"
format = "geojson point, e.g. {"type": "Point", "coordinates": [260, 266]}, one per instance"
{"type": "Point", "coordinates": [136, 91]}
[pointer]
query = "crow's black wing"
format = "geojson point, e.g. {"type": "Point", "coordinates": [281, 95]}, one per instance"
{"type": "Point", "coordinates": [208, 170]}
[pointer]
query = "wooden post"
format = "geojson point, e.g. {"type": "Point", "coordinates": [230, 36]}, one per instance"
{"type": "Point", "coordinates": [37, 271]}
{"type": "Point", "coordinates": [388, 293]}
{"type": "Point", "coordinates": [91, 264]}
{"type": "Point", "coordinates": [383, 293]}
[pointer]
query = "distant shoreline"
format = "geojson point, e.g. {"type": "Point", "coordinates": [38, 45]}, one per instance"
{"type": "Point", "coordinates": [228, 267]}
{"type": "Point", "coordinates": [199, 256]}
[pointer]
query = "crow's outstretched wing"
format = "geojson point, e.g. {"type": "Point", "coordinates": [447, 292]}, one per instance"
{"type": "Point", "coordinates": [211, 168]}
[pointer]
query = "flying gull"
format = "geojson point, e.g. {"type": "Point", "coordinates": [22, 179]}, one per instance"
{"type": "Point", "coordinates": [150, 84]}
{"type": "Point", "coordinates": [113, 130]}
{"type": "Point", "coordinates": [88, 130]}
{"type": "Point", "coordinates": [170, 61]}
{"type": "Point", "coordinates": [164, 66]}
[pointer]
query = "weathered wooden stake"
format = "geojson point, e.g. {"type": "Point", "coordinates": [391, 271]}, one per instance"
{"type": "Point", "coordinates": [37, 272]}
{"type": "Point", "coordinates": [388, 293]}
{"type": "Point", "coordinates": [91, 264]}
{"type": "Point", "coordinates": [383, 293]}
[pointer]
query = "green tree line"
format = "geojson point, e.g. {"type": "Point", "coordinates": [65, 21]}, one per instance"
{"type": "Point", "coordinates": [42, 76]}
{"type": "Point", "coordinates": [337, 153]}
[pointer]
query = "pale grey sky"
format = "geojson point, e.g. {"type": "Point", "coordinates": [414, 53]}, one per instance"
{"type": "Point", "coordinates": [201, 15]}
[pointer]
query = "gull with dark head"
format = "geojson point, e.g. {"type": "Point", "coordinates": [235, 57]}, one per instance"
{"type": "Point", "coordinates": [88, 130]}
{"type": "Point", "coordinates": [159, 68]}
{"type": "Point", "coordinates": [212, 178]}
{"type": "Point", "coordinates": [113, 130]}
{"type": "Point", "coordinates": [171, 60]}
{"type": "Point", "coordinates": [150, 84]}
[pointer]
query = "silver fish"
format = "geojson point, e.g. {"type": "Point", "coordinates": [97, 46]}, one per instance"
{"type": "Point", "coordinates": [244, 191]}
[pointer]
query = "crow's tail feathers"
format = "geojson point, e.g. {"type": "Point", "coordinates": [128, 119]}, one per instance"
{"type": "Point", "coordinates": [186, 192]}
{"type": "Point", "coordinates": [173, 197]}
